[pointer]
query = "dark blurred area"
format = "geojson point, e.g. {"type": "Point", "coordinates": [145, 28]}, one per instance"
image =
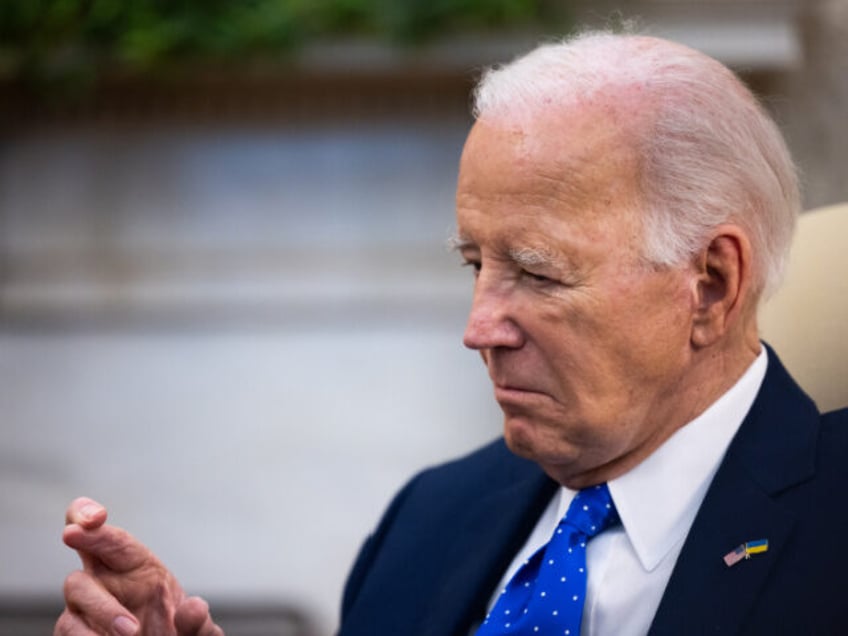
{"type": "Point", "coordinates": [60, 54]}
{"type": "Point", "coordinates": [31, 617]}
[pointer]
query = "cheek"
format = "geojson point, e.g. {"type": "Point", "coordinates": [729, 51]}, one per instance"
{"type": "Point", "coordinates": [580, 343]}
{"type": "Point", "coordinates": [657, 326]}
{"type": "Point", "coordinates": [668, 309]}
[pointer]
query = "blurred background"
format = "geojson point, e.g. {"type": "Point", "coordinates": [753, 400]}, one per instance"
{"type": "Point", "coordinates": [226, 306]}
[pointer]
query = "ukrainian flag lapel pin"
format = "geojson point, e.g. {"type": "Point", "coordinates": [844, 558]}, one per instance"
{"type": "Point", "coordinates": [745, 551]}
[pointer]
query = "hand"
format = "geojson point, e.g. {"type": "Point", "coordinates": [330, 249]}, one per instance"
{"type": "Point", "coordinates": [123, 588]}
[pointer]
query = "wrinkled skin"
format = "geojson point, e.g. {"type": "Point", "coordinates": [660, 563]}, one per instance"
{"type": "Point", "coordinates": [123, 588]}
{"type": "Point", "coordinates": [596, 356]}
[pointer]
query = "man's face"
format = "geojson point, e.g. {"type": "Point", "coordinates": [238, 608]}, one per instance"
{"type": "Point", "coordinates": [586, 345]}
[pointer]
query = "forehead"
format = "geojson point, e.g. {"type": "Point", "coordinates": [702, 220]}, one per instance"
{"type": "Point", "coordinates": [578, 168]}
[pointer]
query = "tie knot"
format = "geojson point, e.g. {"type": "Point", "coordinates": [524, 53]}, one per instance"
{"type": "Point", "coordinates": [592, 510]}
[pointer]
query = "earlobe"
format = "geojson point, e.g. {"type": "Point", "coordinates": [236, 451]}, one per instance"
{"type": "Point", "coordinates": [723, 281]}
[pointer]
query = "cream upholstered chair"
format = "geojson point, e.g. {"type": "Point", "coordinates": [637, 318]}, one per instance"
{"type": "Point", "coordinates": [807, 319]}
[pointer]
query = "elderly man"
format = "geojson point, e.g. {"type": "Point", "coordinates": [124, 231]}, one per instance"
{"type": "Point", "coordinates": [624, 205]}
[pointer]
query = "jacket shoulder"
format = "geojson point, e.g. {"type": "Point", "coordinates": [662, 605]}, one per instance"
{"type": "Point", "coordinates": [486, 468]}
{"type": "Point", "coordinates": [436, 517]}
{"type": "Point", "coordinates": [833, 443]}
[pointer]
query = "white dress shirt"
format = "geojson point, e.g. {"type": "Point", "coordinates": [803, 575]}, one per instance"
{"type": "Point", "coordinates": [630, 565]}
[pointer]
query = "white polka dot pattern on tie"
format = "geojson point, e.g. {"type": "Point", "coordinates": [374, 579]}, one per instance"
{"type": "Point", "coordinates": [550, 587]}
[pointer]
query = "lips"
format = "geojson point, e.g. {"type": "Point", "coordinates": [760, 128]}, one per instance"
{"type": "Point", "coordinates": [510, 392]}
{"type": "Point", "coordinates": [502, 386]}
{"type": "Point", "coordinates": [512, 379]}
{"type": "Point", "coordinates": [513, 384]}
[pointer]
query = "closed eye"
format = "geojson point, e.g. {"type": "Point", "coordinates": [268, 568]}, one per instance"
{"type": "Point", "coordinates": [539, 278]}
{"type": "Point", "coordinates": [475, 265]}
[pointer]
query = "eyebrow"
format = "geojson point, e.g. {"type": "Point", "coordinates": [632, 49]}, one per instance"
{"type": "Point", "coordinates": [457, 243]}
{"type": "Point", "coordinates": [532, 256]}
{"type": "Point", "coordinates": [521, 256]}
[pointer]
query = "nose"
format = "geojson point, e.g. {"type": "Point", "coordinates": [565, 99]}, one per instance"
{"type": "Point", "coordinates": [490, 324]}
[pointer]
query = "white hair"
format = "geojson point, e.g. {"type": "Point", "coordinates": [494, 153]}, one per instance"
{"type": "Point", "coordinates": [708, 152]}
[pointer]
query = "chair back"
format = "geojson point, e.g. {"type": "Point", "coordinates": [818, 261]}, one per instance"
{"type": "Point", "coordinates": [807, 319]}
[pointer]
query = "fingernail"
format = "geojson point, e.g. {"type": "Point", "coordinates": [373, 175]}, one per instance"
{"type": "Point", "coordinates": [89, 511]}
{"type": "Point", "coordinates": [125, 626]}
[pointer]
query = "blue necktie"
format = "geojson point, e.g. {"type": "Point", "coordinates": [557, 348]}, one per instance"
{"type": "Point", "coordinates": [546, 595]}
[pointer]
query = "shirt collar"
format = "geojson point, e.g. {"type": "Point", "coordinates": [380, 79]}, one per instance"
{"type": "Point", "coordinates": [656, 511]}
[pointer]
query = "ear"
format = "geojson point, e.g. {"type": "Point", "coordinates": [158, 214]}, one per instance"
{"type": "Point", "coordinates": [723, 284]}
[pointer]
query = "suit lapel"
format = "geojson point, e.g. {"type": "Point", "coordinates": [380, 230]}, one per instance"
{"type": "Point", "coordinates": [773, 450]}
{"type": "Point", "coordinates": [704, 595]}
{"type": "Point", "coordinates": [490, 535]}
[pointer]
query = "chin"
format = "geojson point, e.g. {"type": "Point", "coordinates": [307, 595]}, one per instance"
{"type": "Point", "coordinates": [531, 441]}
{"type": "Point", "coordinates": [518, 445]}
{"type": "Point", "coordinates": [558, 458]}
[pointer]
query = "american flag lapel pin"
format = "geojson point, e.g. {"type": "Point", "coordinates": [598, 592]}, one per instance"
{"type": "Point", "coordinates": [745, 551]}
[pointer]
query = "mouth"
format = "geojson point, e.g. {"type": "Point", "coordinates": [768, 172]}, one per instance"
{"type": "Point", "coordinates": [512, 393]}
{"type": "Point", "coordinates": [512, 384]}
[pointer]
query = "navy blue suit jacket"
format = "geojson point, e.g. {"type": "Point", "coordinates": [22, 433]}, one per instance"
{"type": "Point", "coordinates": [448, 536]}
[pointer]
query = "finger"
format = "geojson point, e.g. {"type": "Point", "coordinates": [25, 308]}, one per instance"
{"type": "Point", "coordinates": [72, 625]}
{"type": "Point", "coordinates": [193, 619]}
{"type": "Point", "coordinates": [114, 547]}
{"type": "Point", "coordinates": [91, 605]}
{"type": "Point", "coordinates": [86, 513]}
